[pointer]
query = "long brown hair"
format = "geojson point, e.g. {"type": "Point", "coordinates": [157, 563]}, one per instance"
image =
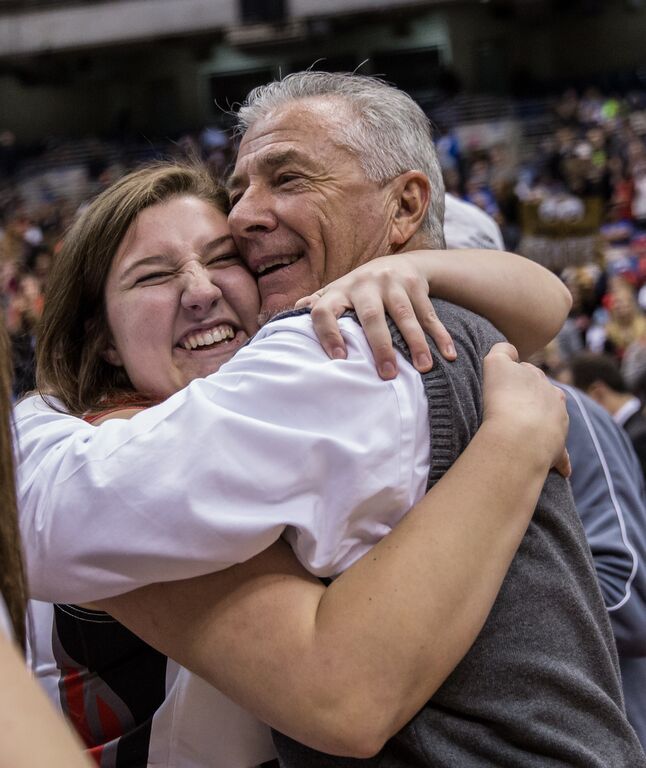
{"type": "Point", "coordinates": [74, 329]}
{"type": "Point", "coordinates": [12, 575]}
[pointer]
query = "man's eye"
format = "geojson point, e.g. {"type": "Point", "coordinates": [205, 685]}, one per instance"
{"type": "Point", "coordinates": [234, 198]}
{"type": "Point", "coordinates": [285, 178]}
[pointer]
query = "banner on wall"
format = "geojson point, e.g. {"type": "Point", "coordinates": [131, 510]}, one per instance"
{"type": "Point", "coordinates": [561, 231]}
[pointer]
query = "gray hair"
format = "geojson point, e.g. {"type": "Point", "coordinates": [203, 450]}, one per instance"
{"type": "Point", "coordinates": [389, 132]}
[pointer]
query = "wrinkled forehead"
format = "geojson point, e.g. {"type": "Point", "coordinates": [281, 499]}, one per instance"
{"type": "Point", "coordinates": [301, 129]}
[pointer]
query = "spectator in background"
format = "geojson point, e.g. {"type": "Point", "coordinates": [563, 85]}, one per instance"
{"type": "Point", "coordinates": [600, 378]}
{"type": "Point", "coordinates": [39, 264]}
{"type": "Point", "coordinates": [608, 489]}
{"type": "Point", "coordinates": [633, 369]}
{"type": "Point", "coordinates": [448, 149]}
{"type": "Point", "coordinates": [8, 280]}
{"type": "Point", "coordinates": [626, 323]}
{"type": "Point", "coordinates": [24, 310]}
{"type": "Point", "coordinates": [13, 246]}
{"type": "Point", "coordinates": [469, 225]}
{"type": "Point", "coordinates": [567, 108]}
{"type": "Point", "coordinates": [570, 339]}
{"type": "Point", "coordinates": [622, 190]}
{"type": "Point", "coordinates": [638, 204]}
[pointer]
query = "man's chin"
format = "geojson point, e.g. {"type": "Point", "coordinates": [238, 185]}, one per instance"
{"type": "Point", "coordinates": [271, 310]}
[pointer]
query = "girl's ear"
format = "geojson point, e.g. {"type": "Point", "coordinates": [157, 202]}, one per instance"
{"type": "Point", "coordinates": [111, 356]}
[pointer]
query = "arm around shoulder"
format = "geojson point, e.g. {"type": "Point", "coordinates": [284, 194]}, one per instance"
{"type": "Point", "coordinates": [312, 661]}
{"type": "Point", "coordinates": [526, 302]}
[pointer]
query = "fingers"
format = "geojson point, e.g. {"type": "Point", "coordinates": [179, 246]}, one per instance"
{"type": "Point", "coordinates": [369, 307]}
{"type": "Point", "coordinates": [371, 312]}
{"type": "Point", "coordinates": [374, 290]}
{"type": "Point", "coordinates": [399, 306]}
{"type": "Point", "coordinates": [325, 313]}
{"type": "Point", "coordinates": [529, 408]}
{"type": "Point", "coordinates": [306, 301]}
{"type": "Point", "coordinates": [506, 349]}
{"type": "Point", "coordinates": [430, 322]}
{"type": "Point", "coordinates": [408, 305]}
{"type": "Point", "coordinates": [414, 315]}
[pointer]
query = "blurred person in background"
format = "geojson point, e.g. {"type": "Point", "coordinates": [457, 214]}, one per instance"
{"type": "Point", "coordinates": [626, 322]}
{"type": "Point", "coordinates": [470, 227]}
{"type": "Point", "coordinates": [600, 378]}
{"type": "Point", "coordinates": [39, 263]}
{"type": "Point", "coordinates": [633, 369]}
{"type": "Point", "coordinates": [608, 488]}
{"type": "Point", "coordinates": [570, 339]}
{"type": "Point", "coordinates": [13, 246]}
{"type": "Point", "coordinates": [23, 313]}
{"type": "Point", "coordinates": [32, 734]}
{"type": "Point", "coordinates": [8, 280]}
{"type": "Point", "coordinates": [638, 203]}
{"type": "Point", "coordinates": [622, 190]}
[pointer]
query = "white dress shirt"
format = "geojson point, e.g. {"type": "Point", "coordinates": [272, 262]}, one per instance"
{"type": "Point", "coordinates": [280, 440]}
{"type": "Point", "coordinates": [628, 409]}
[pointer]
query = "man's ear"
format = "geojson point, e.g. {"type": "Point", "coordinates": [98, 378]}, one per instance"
{"type": "Point", "coordinates": [411, 194]}
{"type": "Point", "coordinates": [111, 356]}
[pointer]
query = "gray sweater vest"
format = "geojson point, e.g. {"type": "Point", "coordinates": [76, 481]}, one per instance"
{"type": "Point", "coordinates": [540, 686]}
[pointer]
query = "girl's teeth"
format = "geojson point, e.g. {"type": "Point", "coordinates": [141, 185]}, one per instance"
{"type": "Point", "coordinates": [205, 338]}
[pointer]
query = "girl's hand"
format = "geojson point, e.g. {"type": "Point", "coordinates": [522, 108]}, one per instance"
{"type": "Point", "coordinates": [394, 285]}
{"type": "Point", "coordinates": [526, 408]}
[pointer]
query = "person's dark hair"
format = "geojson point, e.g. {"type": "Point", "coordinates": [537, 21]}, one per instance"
{"type": "Point", "coordinates": [74, 330]}
{"type": "Point", "coordinates": [588, 367]}
{"type": "Point", "coordinates": [12, 575]}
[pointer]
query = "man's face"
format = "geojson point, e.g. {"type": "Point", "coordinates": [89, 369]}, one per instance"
{"type": "Point", "coordinates": [304, 212]}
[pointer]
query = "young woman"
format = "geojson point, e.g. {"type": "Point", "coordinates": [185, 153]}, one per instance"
{"type": "Point", "coordinates": [147, 295]}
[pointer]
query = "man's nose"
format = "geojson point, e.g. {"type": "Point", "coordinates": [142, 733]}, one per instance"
{"type": "Point", "coordinates": [200, 292]}
{"type": "Point", "coordinates": [254, 212]}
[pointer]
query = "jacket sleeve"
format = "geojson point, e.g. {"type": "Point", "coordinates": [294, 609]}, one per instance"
{"type": "Point", "coordinates": [608, 490]}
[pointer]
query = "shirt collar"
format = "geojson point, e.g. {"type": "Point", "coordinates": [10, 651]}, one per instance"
{"type": "Point", "coordinates": [628, 409]}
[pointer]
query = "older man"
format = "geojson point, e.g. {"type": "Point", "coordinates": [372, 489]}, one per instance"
{"type": "Point", "coordinates": [317, 173]}
{"type": "Point", "coordinates": [329, 165]}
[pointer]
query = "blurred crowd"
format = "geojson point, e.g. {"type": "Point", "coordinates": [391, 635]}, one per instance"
{"type": "Point", "coordinates": [575, 201]}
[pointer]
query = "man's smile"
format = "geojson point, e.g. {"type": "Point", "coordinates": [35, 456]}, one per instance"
{"type": "Point", "coordinates": [272, 263]}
